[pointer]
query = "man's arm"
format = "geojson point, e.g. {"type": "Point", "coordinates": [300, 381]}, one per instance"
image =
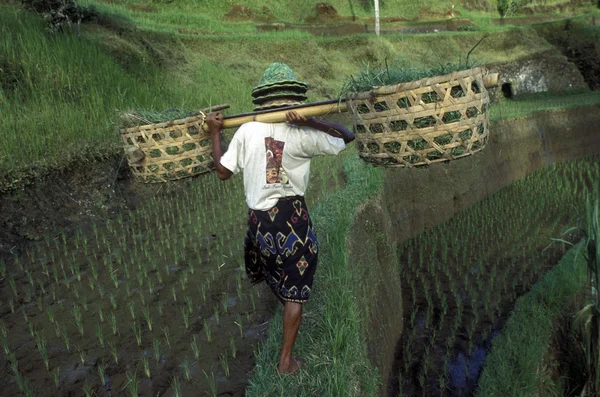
{"type": "Point", "coordinates": [335, 130]}
{"type": "Point", "coordinates": [215, 123]}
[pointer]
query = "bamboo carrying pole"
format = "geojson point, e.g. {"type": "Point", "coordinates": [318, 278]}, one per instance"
{"type": "Point", "coordinates": [310, 109]}
{"type": "Point", "coordinates": [278, 115]}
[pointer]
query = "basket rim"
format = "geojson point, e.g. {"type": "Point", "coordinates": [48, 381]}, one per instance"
{"type": "Point", "coordinates": [163, 124]}
{"type": "Point", "coordinates": [408, 85]}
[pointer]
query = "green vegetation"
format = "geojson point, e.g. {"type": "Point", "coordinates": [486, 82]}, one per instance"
{"type": "Point", "coordinates": [190, 248]}
{"type": "Point", "coordinates": [462, 277]}
{"type": "Point", "coordinates": [587, 320]}
{"type": "Point", "coordinates": [60, 99]}
{"type": "Point", "coordinates": [525, 339]}
{"type": "Point", "coordinates": [54, 110]}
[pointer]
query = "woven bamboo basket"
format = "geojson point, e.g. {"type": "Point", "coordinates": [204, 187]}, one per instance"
{"type": "Point", "coordinates": [422, 122]}
{"type": "Point", "coordinates": [169, 151]}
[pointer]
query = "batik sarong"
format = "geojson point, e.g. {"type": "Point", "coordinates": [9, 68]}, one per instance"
{"type": "Point", "coordinates": [281, 249]}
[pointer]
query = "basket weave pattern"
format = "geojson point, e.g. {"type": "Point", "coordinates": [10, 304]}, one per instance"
{"type": "Point", "coordinates": [421, 122]}
{"type": "Point", "coordinates": [172, 150]}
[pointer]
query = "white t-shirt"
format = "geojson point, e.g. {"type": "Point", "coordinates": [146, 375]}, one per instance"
{"type": "Point", "coordinates": [275, 158]}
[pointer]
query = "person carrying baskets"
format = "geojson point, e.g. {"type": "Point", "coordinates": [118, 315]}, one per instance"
{"type": "Point", "coordinates": [280, 247]}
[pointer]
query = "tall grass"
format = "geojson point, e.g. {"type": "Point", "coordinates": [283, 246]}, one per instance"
{"type": "Point", "coordinates": [513, 367]}
{"type": "Point", "coordinates": [63, 93]}
{"type": "Point", "coordinates": [587, 320]}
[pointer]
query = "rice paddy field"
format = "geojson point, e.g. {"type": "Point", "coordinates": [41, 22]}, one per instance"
{"type": "Point", "coordinates": [461, 279]}
{"type": "Point", "coordinates": [153, 300]}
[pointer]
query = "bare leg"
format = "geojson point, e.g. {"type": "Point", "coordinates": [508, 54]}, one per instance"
{"type": "Point", "coordinates": [292, 315]}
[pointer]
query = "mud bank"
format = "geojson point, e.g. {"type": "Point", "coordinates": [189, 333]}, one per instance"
{"type": "Point", "coordinates": [414, 200]}
{"type": "Point", "coordinates": [373, 263]}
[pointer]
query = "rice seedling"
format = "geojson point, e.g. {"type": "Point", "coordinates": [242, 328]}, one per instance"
{"type": "Point", "coordinates": [239, 287]}
{"type": "Point", "coordinates": [101, 314]}
{"type": "Point", "coordinates": [203, 293]}
{"type": "Point", "coordinates": [147, 316]}
{"type": "Point", "coordinates": [207, 331]}
{"type": "Point", "coordinates": [65, 336]}
{"type": "Point", "coordinates": [114, 352]}
{"type": "Point", "coordinates": [6, 347]}
{"type": "Point", "coordinates": [56, 376]}
{"type": "Point", "coordinates": [27, 388]}
{"type": "Point", "coordinates": [100, 335]}
{"type": "Point", "coordinates": [232, 345]}
{"type": "Point", "coordinates": [176, 386]}
{"type": "Point", "coordinates": [87, 389]}
{"type": "Point", "coordinates": [78, 319]}
{"type": "Point", "coordinates": [66, 280]}
{"type": "Point", "coordinates": [132, 384]}
{"type": "Point", "coordinates": [165, 331]}
{"type": "Point", "coordinates": [112, 320]}
{"type": "Point", "coordinates": [80, 353]}
{"type": "Point", "coordinates": [186, 365]}
{"type": "Point", "coordinates": [101, 374]}
{"type": "Point", "coordinates": [137, 332]}
{"type": "Point", "coordinates": [40, 342]}
{"type": "Point", "coordinates": [131, 306]}
{"type": "Point", "coordinates": [114, 278]}
{"type": "Point", "coordinates": [13, 286]}
{"type": "Point", "coordinates": [238, 322]}
{"type": "Point", "coordinates": [189, 305]}
{"type": "Point", "coordinates": [113, 301]}
{"type": "Point", "coordinates": [185, 316]}
{"type": "Point", "coordinates": [174, 294]}
{"type": "Point", "coordinates": [11, 303]}
{"type": "Point", "coordinates": [156, 350]}
{"type": "Point", "coordinates": [212, 384]}
{"type": "Point", "coordinates": [145, 365]}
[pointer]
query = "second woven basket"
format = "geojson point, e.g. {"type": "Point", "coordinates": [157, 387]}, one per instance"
{"type": "Point", "coordinates": [422, 122]}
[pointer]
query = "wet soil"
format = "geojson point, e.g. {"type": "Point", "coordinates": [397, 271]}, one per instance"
{"type": "Point", "coordinates": [88, 254]}
{"type": "Point", "coordinates": [91, 240]}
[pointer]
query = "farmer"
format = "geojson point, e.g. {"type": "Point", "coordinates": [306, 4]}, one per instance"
{"type": "Point", "coordinates": [280, 247]}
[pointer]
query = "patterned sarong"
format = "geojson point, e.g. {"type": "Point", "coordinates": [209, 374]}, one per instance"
{"type": "Point", "coordinates": [281, 248]}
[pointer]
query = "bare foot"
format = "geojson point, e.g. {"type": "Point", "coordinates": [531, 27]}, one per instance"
{"type": "Point", "coordinates": [293, 366]}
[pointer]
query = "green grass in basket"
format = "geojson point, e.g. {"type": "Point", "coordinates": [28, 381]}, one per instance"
{"type": "Point", "coordinates": [396, 73]}
{"type": "Point", "coordinates": [143, 117]}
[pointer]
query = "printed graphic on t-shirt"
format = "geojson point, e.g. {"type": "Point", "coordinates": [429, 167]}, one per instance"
{"type": "Point", "coordinates": [274, 170]}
